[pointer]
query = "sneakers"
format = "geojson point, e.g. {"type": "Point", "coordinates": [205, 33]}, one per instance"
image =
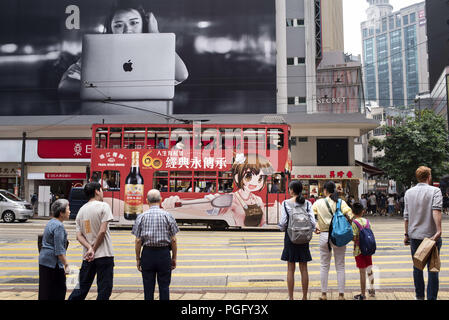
{"type": "Point", "coordinates": [371, 292]}
{"type": "Point", "coordinates": [323, 296]}
{"type": "Point", "coordinates": [359, 297]}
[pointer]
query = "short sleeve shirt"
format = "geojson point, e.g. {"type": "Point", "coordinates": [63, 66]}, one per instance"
{"type": "Point", "coordinates": [88, 222]}
{"type": "Point", "coordinates": [323, 214]}
{"type": "Point", "coordinates": [356, 232]}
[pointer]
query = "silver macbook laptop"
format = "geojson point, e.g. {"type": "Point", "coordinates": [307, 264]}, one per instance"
{"type": "Point", "coordinates": [128, 66]}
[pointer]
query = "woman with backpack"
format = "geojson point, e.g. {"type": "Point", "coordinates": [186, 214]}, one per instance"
{"type": "Point", "coordinates": [325, 210]}
{"type": "Point", "coordinates": [298, 222]}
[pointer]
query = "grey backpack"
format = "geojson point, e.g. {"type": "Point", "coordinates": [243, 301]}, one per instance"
{"type": "Point", "coordinates": [300, 225]}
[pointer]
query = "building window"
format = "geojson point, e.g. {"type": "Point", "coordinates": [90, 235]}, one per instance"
{"type": "Point", "coordinates": [378, 132]}
{"type": "Point", "coordinates": [384, 24]}
{"type": "Point", "coordinates": [332, 152]}
{"type": "Point", "coordinates": [398, 20]}
{"type": "Point", "coordinates": [391, 22]}
{"type": "Point", "coordinates": [296, 100]}
{"type": "Point", "coordinates": [295, 22]}
{"type": "Point", "coordinates": [412, 17]}
{"type": "Point", "coordinates": [405, 20]}
{"type": "Point", "coordinates": [294, 61]}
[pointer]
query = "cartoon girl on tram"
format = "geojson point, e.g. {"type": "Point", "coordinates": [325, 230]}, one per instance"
{"type": "Point", "coordinates": [250, 175]}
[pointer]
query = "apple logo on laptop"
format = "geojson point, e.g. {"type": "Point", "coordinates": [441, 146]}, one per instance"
{"type": "Point", "coordinates": [128, 66]}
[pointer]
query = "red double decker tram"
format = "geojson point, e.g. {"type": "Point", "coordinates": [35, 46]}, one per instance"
{"type": "Point", "coordinates": [217, 175]}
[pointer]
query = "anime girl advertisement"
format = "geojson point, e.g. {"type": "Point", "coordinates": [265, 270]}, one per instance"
{"type": "Point", "coordinates": [243, 207]}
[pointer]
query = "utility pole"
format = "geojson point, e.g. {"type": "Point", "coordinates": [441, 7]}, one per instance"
{"type": "Point", "coordinates": [22, 169]}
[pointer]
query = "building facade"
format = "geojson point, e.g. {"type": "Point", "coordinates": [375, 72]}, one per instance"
{"type": "Point", "coordinates": [322, 140]}
{"type": "Point", "coordinates": [437, 45]}
{"type": "Point", "coordinates": [394, 53]}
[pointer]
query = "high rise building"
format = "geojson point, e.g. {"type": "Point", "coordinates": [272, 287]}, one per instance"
{"type": "Point", "coordinates": [394, 53]}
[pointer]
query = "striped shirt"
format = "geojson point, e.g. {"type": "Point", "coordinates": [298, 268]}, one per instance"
{"type": "Point", "coordinates": [155, 227]}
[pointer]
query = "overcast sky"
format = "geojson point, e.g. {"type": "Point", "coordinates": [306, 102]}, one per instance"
{"type": "Point", "coordinates": [354, 13]}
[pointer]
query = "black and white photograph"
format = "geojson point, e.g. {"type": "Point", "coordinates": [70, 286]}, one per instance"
{"type": "Point", "coordinates": [80, 57]}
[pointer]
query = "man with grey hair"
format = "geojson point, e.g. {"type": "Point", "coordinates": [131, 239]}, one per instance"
{"type": "Point", "coordinates": [155, 232]}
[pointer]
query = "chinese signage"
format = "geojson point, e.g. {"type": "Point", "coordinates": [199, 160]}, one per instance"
{"type": "Point", "coordinates": [9, 172]}
{"type": "Point", "coordinates": [64, 176]}
{"type": "Point", "coordinates": [64, 149]}
{"type": "Point", "coordinates": [111, 159]}
{"type": "Point", "coordinates": [336, 173]}
{"type": "Point", "coordinates": [177, 159]}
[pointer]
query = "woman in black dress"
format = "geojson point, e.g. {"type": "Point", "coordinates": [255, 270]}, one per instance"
{"type": "Point", "coordinates": [293, 253]}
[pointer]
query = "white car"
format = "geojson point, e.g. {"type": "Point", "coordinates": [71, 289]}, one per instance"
{"type": "Point", "coordinates": [13, 208]}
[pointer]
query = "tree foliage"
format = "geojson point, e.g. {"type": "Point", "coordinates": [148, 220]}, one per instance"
{"type": "Point", "coordinates": [414, 142]}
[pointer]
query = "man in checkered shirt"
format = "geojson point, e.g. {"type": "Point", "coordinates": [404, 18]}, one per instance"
{"type": "Point", "coordinates": [155, 231]}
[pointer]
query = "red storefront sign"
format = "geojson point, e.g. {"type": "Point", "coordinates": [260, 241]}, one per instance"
{"type": "Point", "coordinates": [64, 148]}
{"type": "Point", "coordinates": [65, 176]}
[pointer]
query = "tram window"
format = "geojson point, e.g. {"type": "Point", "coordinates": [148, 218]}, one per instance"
{"type": "Point", "coordinates": [101, 138]}
{"type": "Point", "coordinates": [160, 181]}
{"type": "Point", "coordinates": [277, 183]}
{"type": "Point", "coordinates": [225, 182]}
{"type": "Point", "coordinates": [157, 138]}
{"type": "Point", "coordinates": [180, 181]}
{"type": "Point", "coordinates": [205, 181]}
{"type": "Point", "coordinates": [181, 139]}
{"type": "Point", "coordinates": [115, 138]}
{"type": "Point", "coordinates": [275, 139]}
{"type": "Point", "coordinates": [111, 180]}
{"type": "Point", "coordinates": [231, 138]}
{"type": "Point", "coordinates": [254, 139]}
{"type": "Point", "coordinates": [134, 138]}
{"type": "Point", "coordinates": [209, 138]}
{"type": "Point", "coordinates": [96, 176]}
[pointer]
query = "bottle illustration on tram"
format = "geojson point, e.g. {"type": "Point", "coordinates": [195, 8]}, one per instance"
{"type": "Point", "coordinates": [133, 190]}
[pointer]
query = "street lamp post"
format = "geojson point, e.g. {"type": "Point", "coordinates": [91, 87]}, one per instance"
{"type": "Point", "coordinates": [22, 168]}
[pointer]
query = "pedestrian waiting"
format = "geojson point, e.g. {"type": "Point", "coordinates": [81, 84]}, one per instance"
{"type": "Point", "coordinates": [364, 247]}
{"type": "Point", "coordinates": [53, 265]}
{"type": "Point", "coordinates": [297, 213]}
{"type": "Point", "coordinates": [325, 209]}
{"type": "Point", "coordinates": [92, 231]}
{"type": "Point", "coordinates": [422, 219]}
{"type": "Point", "coordinates": [155, 231]}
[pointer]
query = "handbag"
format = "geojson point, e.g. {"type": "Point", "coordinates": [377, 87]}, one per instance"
{"type": "Point", "coordinates": [434, 263]}
{"type": "Point", "coordinates": [423, 253]}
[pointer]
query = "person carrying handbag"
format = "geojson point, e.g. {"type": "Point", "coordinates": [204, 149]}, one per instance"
{"type": "Point", "coordinates": [320, 208]}
{"type": "Point", "coordinates": [297, 249]}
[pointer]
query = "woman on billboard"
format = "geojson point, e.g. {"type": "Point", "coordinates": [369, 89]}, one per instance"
{"type": "Point", "coordinates": [123, 19]}
{"type": "Point", "coordinates": [250, 174]}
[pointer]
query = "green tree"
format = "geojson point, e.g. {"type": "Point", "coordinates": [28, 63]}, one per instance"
{"type": "Point", "coordinates": [412, 142]}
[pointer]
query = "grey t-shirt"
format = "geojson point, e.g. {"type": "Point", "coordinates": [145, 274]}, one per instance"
{"type": "Point", "coordinates": [88, 222]}
{"type": "Point", "coordinates": [420, 201]}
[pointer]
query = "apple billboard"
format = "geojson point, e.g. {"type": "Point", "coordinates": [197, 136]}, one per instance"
{"type": "Point", "coordinates": [70, 57]}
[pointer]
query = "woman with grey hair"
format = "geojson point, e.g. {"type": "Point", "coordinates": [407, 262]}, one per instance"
{"type": "Point", "coordinates": [53, 266]}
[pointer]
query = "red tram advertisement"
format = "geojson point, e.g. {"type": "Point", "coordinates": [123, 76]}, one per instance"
{"type": "Point", "coordinates": [217, 175]}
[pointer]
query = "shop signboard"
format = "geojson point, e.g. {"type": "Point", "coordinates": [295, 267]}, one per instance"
{"type": "Point", "coordinates": [327, 173]}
